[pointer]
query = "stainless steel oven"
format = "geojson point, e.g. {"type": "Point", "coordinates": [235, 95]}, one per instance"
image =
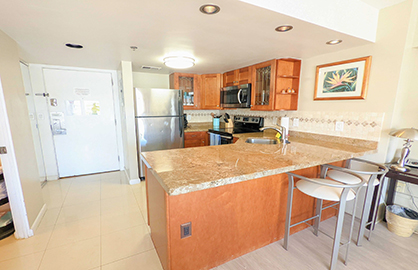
{"type": "Point", "coordinates": [236, 96]}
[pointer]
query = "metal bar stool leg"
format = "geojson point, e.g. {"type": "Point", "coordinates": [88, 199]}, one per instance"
{"type": "Point", "coordinates": [288, 211]}
{"type": "Point", "coordinates": [338, 229]}
{"type": "Point", "coordinates": [353, 217]}
{"type": "Point", "coordinates": [376, 207]}
{"type": "Point", "coordinates": [318, 212]}
{"type": "Point", "coordinates": [366, 210]}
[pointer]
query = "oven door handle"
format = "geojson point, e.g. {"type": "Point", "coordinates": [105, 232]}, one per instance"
{"type": "Point", "coordinates": [238, 96]}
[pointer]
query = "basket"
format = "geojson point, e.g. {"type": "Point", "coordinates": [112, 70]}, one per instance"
{"type": "Point", "coordinates": [402, 226]}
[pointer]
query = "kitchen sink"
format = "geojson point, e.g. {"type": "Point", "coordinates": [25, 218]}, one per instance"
{"type": "Point", "coordinates": [262, 141]}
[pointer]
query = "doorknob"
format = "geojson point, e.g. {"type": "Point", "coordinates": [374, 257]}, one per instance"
{"type": "Point", "coordinates": [3, 150]}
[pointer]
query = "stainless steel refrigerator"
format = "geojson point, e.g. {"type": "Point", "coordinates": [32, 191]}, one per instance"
{"type": "Point", "coordinates": [159, 120]}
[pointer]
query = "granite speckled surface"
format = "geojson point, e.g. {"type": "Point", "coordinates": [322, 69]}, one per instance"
{"type": "Point", "coordinates": [196, 127]}
{"type": "Point", "coordinates": [181, 171]}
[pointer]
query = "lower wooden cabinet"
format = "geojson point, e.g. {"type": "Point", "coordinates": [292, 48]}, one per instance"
{"type": "Point", "coordinates": [196, 139]}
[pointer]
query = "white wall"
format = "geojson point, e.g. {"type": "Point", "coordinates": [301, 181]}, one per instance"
{"type": "Point", "coordinates": [18, 114]}
{"type": "Point", "coordinates": [150, 80]}
{"type": "Point", "coordinates": [128, 109]}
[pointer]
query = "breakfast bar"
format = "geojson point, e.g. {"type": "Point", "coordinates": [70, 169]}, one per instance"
{"type": "Point", "coordinates": [232, 198]}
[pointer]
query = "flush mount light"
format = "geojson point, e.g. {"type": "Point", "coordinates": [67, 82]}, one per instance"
{"type": "Point", "coordinates": [284, 28]}
{"type": "Point", "coordinates": [334, 42]}
{"type": "Point", "coordinates": [74, 46]}
{"type": "Point", "coordinates": [209, 9]}
{"type": "Point", "coordinates": [179, 62]}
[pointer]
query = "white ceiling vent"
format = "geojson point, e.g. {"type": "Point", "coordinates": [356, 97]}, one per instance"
{"type": "Point", "coordinates": [150, 68]}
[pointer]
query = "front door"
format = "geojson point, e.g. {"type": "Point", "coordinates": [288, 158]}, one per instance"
{"type": "Point", "coordinates": [82, 119]}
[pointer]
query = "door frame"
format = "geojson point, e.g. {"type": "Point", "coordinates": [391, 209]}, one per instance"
{"type": "Point", "coordinates": [116, 105]}
{"type": "Point", "coordinates": [11, 175]}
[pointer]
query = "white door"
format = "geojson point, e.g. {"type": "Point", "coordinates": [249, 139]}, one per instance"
{"type": "Point", "coordinates": [33, 116]}
{"type": "Point", "coordinates": [83, 122]}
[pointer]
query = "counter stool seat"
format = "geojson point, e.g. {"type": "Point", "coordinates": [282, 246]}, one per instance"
{"type": "Point", "coordinates": [324, 189]}
{"type": "Point", "coordinates": [348, 178]}
{"type": "Point", "coordinates": [368, 171]}
{"type": "Point", "coordinates": [324, 192]}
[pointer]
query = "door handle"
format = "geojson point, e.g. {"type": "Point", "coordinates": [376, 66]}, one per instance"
{"type": "Point", "coordinates": [3, 150]}
{"type": "Point", "coordinates": [238, 96]}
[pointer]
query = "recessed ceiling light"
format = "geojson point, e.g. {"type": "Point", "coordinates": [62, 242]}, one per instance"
{"type": "Point", "coordinates": [334, 42]}
{"type": "Point", "coordinates": [284, 28]}
{"type": "Point", "coordinates": [209, 9]}
{"type": "Point", "coordinates": [74, 46]}
{"type": "Point", "coordinates": [179, 62]}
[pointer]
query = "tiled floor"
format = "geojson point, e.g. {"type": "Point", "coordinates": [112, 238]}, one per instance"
{"type": "Point", "coordinates": [99, 222]}
{"type": "Point", "coordinates": [92, 222]}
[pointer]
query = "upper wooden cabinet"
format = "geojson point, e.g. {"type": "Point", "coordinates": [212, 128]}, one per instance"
{"type": "Point", "coordinates": [287, 84]}
{"type": "Point", "coordinates": [237, 77]}
{"type": "Point", "coordinates": [190, 84]}
{"type": "Point", "coordinates": [211, 91]}
{"type": "Point", "coordinates": [263, 86]}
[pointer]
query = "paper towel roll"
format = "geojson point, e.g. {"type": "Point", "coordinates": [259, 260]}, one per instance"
{"type": "Point", "coordinates": [284, 122]}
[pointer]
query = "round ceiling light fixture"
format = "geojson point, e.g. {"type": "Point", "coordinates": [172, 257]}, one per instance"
{"type": "Point", "coordinates": [209, 9]}
{"type": "Point", "coordinates": [334, 42]}
{"type": "Point", "coordinates": [74, 46]}
{"type": "Point", "coordinates": [284, 28]}
{"type": "Point", "coordinates": [179, 62]}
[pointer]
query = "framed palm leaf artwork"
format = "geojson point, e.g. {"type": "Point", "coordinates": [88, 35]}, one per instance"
{"type": "Point", "coordinates": [343, 80]}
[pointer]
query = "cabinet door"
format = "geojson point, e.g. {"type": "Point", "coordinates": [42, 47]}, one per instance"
{"type": "Point", "coordinates": [211, 91]}
{"type": "Point", "coordinates": [244, 75]}
{"type": "Point", "coordinates": [196, 139]}
{"type": "Point", "coordinates": [263, 86]}
{"type": "Point", "coordinates": [230, 78]}
{"type": "Point", "coordinates": [190, 84]}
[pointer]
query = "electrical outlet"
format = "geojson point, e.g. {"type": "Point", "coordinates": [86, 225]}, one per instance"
{"type": "Point", "coordinates": [189, 117]}
{"type": "Point", "coordinates": [339, 126]}
{"type": "Point", "coordinates": [186, 230]}
{"type": "Point", "coordinates": [295, 122]}
{"type": "Point", "coordinates": [400, 186]}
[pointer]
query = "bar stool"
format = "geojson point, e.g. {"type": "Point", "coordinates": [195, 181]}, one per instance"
{"type": "Point", "coordinates": [324, 189]}
{"type": "Point", "coordinates": [369, 172]}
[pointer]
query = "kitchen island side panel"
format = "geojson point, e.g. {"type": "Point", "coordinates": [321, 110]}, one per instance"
{"type": "Point", "coordinates": [157, 200]}
{"type": "Point", "coordinates": [232, 220]}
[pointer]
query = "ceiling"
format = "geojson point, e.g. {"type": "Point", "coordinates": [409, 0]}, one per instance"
{"type": "Point", "coordinates": [240, 34]}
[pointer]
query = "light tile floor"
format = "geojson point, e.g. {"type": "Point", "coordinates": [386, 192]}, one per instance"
{"type": "Point", "coordinates": [99, 222]}
{"type": "Point", "coordinates": [92, 222]}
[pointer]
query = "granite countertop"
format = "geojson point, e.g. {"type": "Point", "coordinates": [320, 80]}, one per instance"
{"type": "Point", "coordinates": [196, 127]}
{"type": "Point", "coordinates": [185, 170]}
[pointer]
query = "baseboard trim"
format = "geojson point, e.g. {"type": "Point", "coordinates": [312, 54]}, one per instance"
{"type": "Point", "coordinates": [134, 181]}
{"type": "Point", "coordinates": [38, 219]}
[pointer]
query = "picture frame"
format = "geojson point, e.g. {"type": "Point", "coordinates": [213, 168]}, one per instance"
{"type": "Point", "coordinates": [343, 80]}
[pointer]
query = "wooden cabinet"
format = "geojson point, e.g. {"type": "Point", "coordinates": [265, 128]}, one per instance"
{"type": "Point", "coordinates": [211, 91]}
{"type": "Point", "coordinates": [190, 84]}
{"type": "Point", "coordinates": [237, 77]}
{"type": "Point", "coordinates": [287, 84]}
{"type": "Point", "coordinates": [195, 139]}
{"type": "Point", "coordinates": [263, 86]}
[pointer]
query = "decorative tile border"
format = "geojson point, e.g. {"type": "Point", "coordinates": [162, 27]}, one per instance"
{"type": "Point", "coordinates": [358, 125]}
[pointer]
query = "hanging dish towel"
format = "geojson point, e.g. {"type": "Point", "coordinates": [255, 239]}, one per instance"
{"type": "Point", "coordinates": [215, 139]}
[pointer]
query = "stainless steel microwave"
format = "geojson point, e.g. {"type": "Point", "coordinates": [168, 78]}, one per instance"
{"type": "Point", "coordinates": [236, 96]}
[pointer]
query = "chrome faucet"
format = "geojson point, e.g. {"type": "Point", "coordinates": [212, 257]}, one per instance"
{"type": "Point", "coordinates": [281, 130]}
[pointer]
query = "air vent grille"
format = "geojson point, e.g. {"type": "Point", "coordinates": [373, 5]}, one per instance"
{"type": "Point", "coordinates": [150, 67]}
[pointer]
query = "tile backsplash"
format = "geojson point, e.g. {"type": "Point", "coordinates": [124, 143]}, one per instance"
{"type": "Point", "coordinates": [359, 125]}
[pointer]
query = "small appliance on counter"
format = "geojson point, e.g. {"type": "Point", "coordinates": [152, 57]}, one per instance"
{"type": "Point", "coordinates": [236, 96]}
{"type": "Point", "coordinates": [241, 124]}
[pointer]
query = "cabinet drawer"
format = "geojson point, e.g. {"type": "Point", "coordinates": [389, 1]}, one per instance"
{"type": "Point", "coordinates": [194, 135]}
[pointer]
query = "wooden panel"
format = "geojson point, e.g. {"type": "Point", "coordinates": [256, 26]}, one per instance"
{"type": "Point", "coordinates": [211, 91]}
{"type": "Point", "coordinates": [229, 78]}
{"type": "Point", "coordinates": [244, 75]}
{"type": "Point", "coordinates": [232, 220]}
{"type": "Point", "coordinates": [158, 218]}
{"type": "Point", "coordinates": [196, 139]}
